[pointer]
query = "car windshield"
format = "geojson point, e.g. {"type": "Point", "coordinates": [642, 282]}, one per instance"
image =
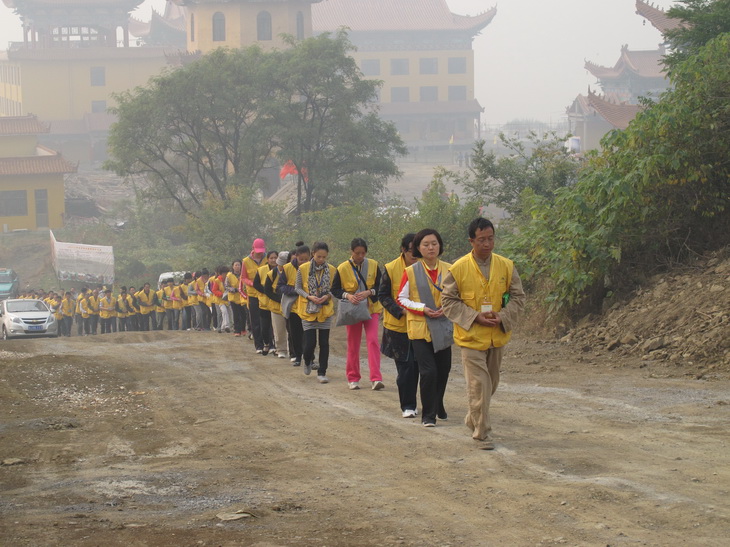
{"type": "Point", "coordinates": [5, 277]}
{"type": "Point", "coordinates": [26, 305]}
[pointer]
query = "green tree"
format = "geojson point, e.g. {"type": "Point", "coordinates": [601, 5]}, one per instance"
{"type": "Point", "coordinates": [223, 230]}
{"type": "Point", "coordinates": [541, 164]}
{"type": "Point", "coordinates": [197, 130]}
{"type": "Point", "coordinates": [328, 128]}
{"type": "Point", "coordinates": [702, 21]}
{"type": "Point", "coordinates": [657, 192]}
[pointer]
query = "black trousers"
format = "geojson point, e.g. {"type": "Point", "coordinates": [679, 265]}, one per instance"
{"type": "Point", "coordinates": [434, 368]}
{"type": "Point", "coordinates": [310, 341]}
{"type": "Point", "coordinates": [144, 321]}
{"type": "Point", "coordinates": [254, 315]}
{"type": "Point", "coordinates": [238, 322]}
{"type": "Point", "coordinates": [407, 382]}
{"type": "Point", "coordinates": [296, 336]}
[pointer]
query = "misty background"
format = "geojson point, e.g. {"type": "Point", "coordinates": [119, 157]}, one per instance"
{"type": "Point", "coordinates": [529, 61]}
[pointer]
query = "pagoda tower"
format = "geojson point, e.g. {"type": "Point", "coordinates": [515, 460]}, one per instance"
{"type": "Point", "coordinates": [75, 55]}
{"type": "Point", "coordinates": [74, 23]}
{"type": "Point", "coordinates": [240, 23]}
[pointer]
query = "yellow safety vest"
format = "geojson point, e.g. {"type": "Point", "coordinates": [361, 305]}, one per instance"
{"type": "Point", "coordinates": [472, 289]}
{"type": "Point", "coordinates": [417, 325]}
{"type": "Point", "coordinates": [326, 310]}
{"type": "Point", "coordinates": [395, 271]}
{"type": "Point", "coordinates": [350, 281]}
{"type": "Point", "coordinates": [251, 269]}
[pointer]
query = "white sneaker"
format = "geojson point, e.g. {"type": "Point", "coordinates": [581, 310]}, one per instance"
{"type": "Point", "coordinates": [409, 413]}
{"type": "Point", "coordinates": [259, 351]}
{"type": "Point", "coordinates": [293, 359]}
{"type": "Point", "coordinates": [354, 385]}
{"type": "Point", "coordinates": [323, 379]}
{"type": "Point", "coordinates": [378, 385]}
{"type": "Point", "coordinates": [281, 356]}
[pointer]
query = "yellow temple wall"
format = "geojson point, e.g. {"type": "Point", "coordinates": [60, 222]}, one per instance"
{"type": "Point", "coordinates": [54, 184]}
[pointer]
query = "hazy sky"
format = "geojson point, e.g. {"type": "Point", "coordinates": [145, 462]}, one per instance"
{"type": "Point", "coordinates": [529, 59]}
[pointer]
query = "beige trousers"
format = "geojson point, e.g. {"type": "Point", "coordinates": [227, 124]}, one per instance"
{"type": "Point", "coordinates": [281, 340]}
{"type": "Point", "coordinates": [481, 372]}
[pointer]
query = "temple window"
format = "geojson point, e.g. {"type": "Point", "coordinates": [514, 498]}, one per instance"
{"type": "Point", "coordinates": [429, 65]}
{"type": "Point", "coordinates": [300, 25]}
{"type": "Point", "coordinates": [429, 93]}
{"type": "Point", "coordinates": [263, 26]}
{"type": "Point", "coordinates": [399, 95]}
{"type": "Point", "coordinates": [457, 92]}
{"type": "Point", "coordinates": [98, 76]}
{"type": "Point", "coordinates": [457, 65]}
{"type": "Point", "coordinates": [219, 27]}
{"type": "Point", "coordinates": [98, 107]}
{"type": "Point", "coordinates": [371, 67]}
{"type": "Point", "coordinates": [13, 203]}
{"type": "Point", "coordinates": [399, 67]}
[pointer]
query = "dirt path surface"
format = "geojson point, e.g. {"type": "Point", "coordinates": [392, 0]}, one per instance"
{"type": "Point", "coordinates": [158, 438]}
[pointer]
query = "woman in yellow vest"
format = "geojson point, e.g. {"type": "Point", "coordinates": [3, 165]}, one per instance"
{"type": "Point", "coordinates": [201, 290]}
{"type": "Point", "coordinates": [193, 301]}
{"type": "Point", "coordinates": [232, 281]}
{"type": "Point", "coordinates": [249, 266]}
{"type": "Point", "coordinates": [267, 334]}
{"type": "Point", "coordinates": [287, 288]}
{"type": "Point", "coordinates": [314, 286]}
{"type": "Point", "coordinates": [395, 343]}
{"type": "Point", "coordinates": [94, 311]}
{"type": "Point", "coordinates": [159, 309]}
{"type": "Point", "coordinates": [220, 299]}
{"type": "Point", "coordinates": [106, 309]}
{"type": "Point", "coordinates": [278, 322]}
{"type": "Point", "coordinates": [188, 306]}
{"type": "Point", "coordinates": [68, 307]}
{"type": "Point", "coordinates": [357, 280]}
{"type": "Point", "coordinates": [146, 301]}
{"type": "Point", "coordinates": [430, 332]}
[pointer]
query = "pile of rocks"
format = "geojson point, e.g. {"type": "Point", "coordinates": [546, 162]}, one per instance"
{"type": "Point", "coordinates": [682, 317]}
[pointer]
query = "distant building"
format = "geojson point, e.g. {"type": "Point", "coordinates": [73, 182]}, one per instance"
{"type": "Point", "coordinates": [420, 49]}
{"type": "Point", "coordinates": [423, 53]}
{"type": "Point", "coordinates": [73, 57]}
{"type": "Point", "coordinates": [31, 177]}
{"type": "Point", "coordinates": [636, 74]}
{"type": "Point", "coordinates": [240, 23]}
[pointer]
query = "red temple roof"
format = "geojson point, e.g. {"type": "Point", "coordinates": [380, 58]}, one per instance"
{"type": "Point", "coordinates": [618, 115]}
{"type": "Point", "coordinates": [657, 17]}
{"type": "Point", "coordinates": [390, 15]}
{"type": "Point", "coordinates": [647, 64]}
{"type": "Point", "coordinates": [22, 125]}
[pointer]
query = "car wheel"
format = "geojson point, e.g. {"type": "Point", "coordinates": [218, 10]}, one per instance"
{"type": "Point", "coordinates": [5, 333]}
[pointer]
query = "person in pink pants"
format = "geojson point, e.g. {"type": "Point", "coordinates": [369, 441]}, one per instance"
{"type": "Point", "coordinates": [358, 280]}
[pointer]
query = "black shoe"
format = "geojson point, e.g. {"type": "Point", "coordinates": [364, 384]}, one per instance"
{"type": "Point", "coordinates": [265, 351]}
{"type": "Point", "coordinates": [442, 415]}
{"type": "Point", "coordinates": [296, 364]}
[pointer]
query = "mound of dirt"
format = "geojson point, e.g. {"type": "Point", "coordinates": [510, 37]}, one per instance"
{"type": "Point", "coordinates": [682, 316]}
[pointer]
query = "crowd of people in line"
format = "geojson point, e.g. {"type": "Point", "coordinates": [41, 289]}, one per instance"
{"type": "Point", "coordinates": [285, 303]}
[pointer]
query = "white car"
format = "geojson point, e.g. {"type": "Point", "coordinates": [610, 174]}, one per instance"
{"type": "Point", "coordinates": [21, 318]}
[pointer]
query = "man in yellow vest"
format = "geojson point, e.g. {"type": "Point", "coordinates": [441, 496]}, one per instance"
{"type": "Point", "coordinates": [483, 296]}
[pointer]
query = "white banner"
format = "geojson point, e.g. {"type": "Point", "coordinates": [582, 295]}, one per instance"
{"type": "Point", "coordinates": [83, 263]}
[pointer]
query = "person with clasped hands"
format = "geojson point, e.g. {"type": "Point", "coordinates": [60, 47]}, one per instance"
{"type": "Point", "coordinates": [483, 296]}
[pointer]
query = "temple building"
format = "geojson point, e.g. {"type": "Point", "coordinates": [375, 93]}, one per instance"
{"type": "Point", "coordinates": [423, 54]}
{"type": "Point", "coordinates": [636, 74]}
{"type": "Point", "coordinates": [74, 55]}
{"type": "Point", "coordinates": [420, 50]}
{"type": "Point", "coordinates": [31, 177]}
{"type": "Point", "coordinates": [240, 23]}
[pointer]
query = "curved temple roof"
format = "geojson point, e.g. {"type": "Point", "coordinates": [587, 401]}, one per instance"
{"type": "Point", "coordinates": [657, 17]}
{"type": "Point", "coordinates": [395, 15]}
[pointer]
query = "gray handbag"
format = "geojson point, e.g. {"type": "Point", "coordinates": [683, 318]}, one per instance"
{"type": "Point", "coordinates": [350, 314]}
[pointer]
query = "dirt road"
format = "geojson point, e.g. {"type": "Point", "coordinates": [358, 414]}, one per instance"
{"type": "Point", "coordinates": [157, 438]}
